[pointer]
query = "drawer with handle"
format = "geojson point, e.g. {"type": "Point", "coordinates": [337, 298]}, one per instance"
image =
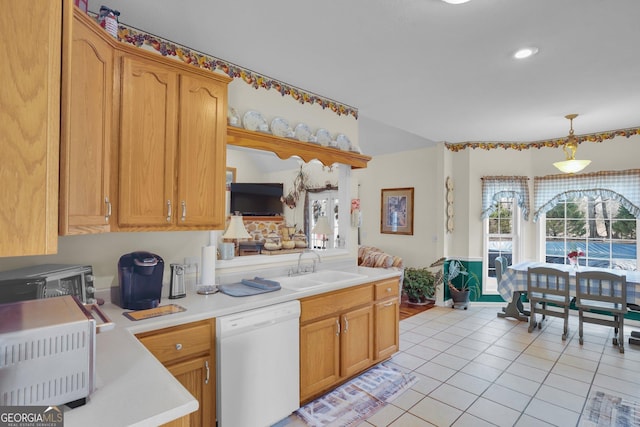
{"type": "Point", "coordinates": [179, 342]}
{"type": "Point", "coordinates": [386, 288]}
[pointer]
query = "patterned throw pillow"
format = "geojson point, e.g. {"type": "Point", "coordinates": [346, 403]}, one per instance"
{"type": "Point", "coordinates": [377, 259]}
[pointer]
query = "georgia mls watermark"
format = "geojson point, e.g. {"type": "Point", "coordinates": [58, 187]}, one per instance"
{"type": "Point", "coordinates": [31, 416]}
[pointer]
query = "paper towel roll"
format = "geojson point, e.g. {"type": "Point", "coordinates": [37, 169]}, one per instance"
{"type": "Point", "coordinates": [209, 256]}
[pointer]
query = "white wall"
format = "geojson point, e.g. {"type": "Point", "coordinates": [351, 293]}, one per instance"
{"type": "Point", "coordinates": [421, 169]}
{"type": "Point", "coordinates": [418, 169]}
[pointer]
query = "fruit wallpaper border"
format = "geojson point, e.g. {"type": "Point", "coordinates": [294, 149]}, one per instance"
{"type": "Point", "coordinates": [551, 143]}
{"type": "Point", "coordinates": [165, 47]}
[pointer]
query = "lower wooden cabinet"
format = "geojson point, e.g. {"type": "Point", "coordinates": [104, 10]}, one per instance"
{"type": "Point", "coordinates": [345, 332]}
{"type": "Point", "coordinates": [319, 356]}
{"type": "Point", "coordinates": [188, 352]}
{"type": "Point", "coordinates": [387, 315]}
{"type": "Point", "coordinates": [356, 341]}
{"type": "Point", "coordinates": [387, 318]}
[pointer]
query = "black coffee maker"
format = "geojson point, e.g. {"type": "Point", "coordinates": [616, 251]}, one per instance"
{"type": "Point", "coordinates": [140, 277]}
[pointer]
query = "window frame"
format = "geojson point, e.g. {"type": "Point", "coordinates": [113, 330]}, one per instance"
{"type": "Point", "coordinates": [489, 284]}
{"type": "Point", "coordinates": [330, 195]}
{"type": "Point", "coordinates": [541, 249]}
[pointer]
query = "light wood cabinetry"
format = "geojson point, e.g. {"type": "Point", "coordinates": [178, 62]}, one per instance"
{"type": "Point", "coordinates": [87, 103]}
{"type": "Point", "coordinates": [387, 318]}
{"type": "Point", "coordinates": [188, 352]}
{"type": "Point", "coordinates": [172, 151]}
{"type": "Point", "coordinates": [143, 138]}
{"type": "Point", "coordinates": [343, 333]}
{"type": "Point", "coordinates": [30, 39]}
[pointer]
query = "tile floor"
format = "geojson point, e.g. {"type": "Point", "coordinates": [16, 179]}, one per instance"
{"type": "Point", "coordinates": [476, 369]}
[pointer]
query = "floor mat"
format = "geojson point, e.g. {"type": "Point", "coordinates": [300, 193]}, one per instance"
{"type": "Point", "coordinates": [355, 400]}
{"type": "Point", "coordinates": [605, 410]}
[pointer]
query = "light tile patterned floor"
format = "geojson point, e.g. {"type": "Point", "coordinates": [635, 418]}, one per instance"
{"type": "Point", "coordinates": [476, 369]}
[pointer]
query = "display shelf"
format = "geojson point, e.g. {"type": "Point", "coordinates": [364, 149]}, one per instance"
{"type": "Point", "coordinates": [286, 147]}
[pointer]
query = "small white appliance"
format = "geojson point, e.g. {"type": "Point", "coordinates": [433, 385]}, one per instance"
{"type": "Point", "coordinates": [258, 365]}
{"type": "Point", "coordinates": [48, 351]}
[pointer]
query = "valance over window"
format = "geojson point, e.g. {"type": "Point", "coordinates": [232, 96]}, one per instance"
{"type": "Point", "coordinates": [496, 187]}
{"type": "Point", "coordinates": [623, 186]}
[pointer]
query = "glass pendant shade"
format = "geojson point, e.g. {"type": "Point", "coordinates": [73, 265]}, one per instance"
{"type": "Point", "coordinates": [571, 165]}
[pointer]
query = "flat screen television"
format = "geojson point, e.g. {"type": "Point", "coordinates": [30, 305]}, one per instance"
{"type": "Point", "coordinates": [256, 199]}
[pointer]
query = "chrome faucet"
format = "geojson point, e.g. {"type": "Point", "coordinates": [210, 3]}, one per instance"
{"type": "Point", "coordinates": [299, 270]}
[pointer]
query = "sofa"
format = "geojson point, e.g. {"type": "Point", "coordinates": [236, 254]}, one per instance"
{"type": "Point", "coordinates": [370, 256]}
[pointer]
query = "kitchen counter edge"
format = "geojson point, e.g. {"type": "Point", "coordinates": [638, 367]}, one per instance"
{"type": "Point", "coordinates": [126, 370]}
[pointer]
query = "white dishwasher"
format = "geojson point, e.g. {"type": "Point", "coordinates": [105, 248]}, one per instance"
{"type": "Point", "coordinates": [258, 365]}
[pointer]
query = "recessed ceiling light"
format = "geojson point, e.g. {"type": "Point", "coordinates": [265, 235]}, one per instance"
{"type": "Point", "coordinates": [525, 52]}
{"type": "Point", "coordinates": [455, 1]}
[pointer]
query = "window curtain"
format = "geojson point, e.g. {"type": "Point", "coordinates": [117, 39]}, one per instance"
{"type": "Point", "coordinates": [496, 187]}
{"type": "Point", "coordinates": [623, 186]}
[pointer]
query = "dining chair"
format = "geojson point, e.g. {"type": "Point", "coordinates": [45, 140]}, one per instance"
{"type": "Point", "coordinates": [501, 266]}
{"type": "Point", "coordinates": [549, 287]}
{"type": "Point", "coordinates": [598, 294]}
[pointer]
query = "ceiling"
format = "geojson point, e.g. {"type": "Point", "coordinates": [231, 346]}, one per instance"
{"type": "Point", "coordinates": [423, 71]}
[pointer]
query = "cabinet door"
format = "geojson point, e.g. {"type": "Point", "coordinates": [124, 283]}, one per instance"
{"type": "Point", "coordinates": [196, 375]}
{"type": "Point", "coordinates": [86, 132]}
{"type": "Point", "coordinates": [147, 144]}
{"type": "Point", "coordinates": [30, 39]}
{"type": "Point", "coordinates": [319, 356]}
{"type": "Point", "coordinates": [356, 341]}
{"type": "Point", "coordinates": [387, 317]}
{"type": "Point", "coordinates": [202, 152]}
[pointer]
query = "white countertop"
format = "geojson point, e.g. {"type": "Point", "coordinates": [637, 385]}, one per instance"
{"type": "Point", "coordinates": [134, 389]}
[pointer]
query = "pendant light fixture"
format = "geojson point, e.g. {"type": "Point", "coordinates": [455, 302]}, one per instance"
{"type": "Point", "coordinates": [571, 165]}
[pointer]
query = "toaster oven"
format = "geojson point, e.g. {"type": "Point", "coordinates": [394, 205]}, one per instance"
{"type": "Point", "coordinates": [46, 281]}
{"type": "Point", "coordinates": [48, 351]}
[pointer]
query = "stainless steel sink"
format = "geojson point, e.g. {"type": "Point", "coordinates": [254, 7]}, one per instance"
{"type": "Point", "coordinates": [318, 279]}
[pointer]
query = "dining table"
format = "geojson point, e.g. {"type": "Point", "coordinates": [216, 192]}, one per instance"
{"type": "Point", "coordinates": [514, 284]}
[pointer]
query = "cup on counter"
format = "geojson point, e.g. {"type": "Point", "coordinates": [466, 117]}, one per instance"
{"type": "Point", "coordinates": [226, 250]}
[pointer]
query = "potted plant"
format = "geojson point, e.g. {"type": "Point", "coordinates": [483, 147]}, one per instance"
{"type": "Point", "coordinates": [470, 284]}
{"type": "Point", "coordinates": [420, 283]}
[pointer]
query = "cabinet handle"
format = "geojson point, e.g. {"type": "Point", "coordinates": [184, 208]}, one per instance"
{"type": "Point", "coordinates": [184, 210]}
{"type": "Point", "coordinates": [388, 289]}
{"type": "Point", "coordinates": [338, 327]}
{"type": "Point", "coordinates": [346, 325]}
{"type": "Point", "coordinates": [168, 210]}
{"type": "Point", "coordinates": [178, 346]}
{"type": "Point", "coordinates": [389, 304]}
{"type": "Point", "coordinates": [206, 366]}
{"type": "Point", "coordinates": [108, 215]}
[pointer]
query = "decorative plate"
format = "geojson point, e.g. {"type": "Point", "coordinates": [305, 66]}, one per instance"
{"type": "Point", "coordinates": [302, 132]}
{"type": "Point", "coordinates": [343, 142]}
{"type": "Point", "coordinates": [253, 120]}
{"type": "Point", "coordinates": [233, 118]}
{"type": "Point", "coordinates": [280, 127]}
{"type": "Point", "coordinates": [323, 137]}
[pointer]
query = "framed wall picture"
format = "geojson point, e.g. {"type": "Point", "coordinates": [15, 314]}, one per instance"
{"type": "Point", "coordinates": [396, 216]}
{"type": "Point", "coordinates": [231, 177]}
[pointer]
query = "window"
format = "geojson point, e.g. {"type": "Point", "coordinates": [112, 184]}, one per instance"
{"type": "Point", "coordinates": [501, 239]}
{"type": "Point", "coordinates": [323, 203]}
{"type": "Point", "coordinates": [600, 227]}
{"type": "Point", "coordinates": [505, 199]}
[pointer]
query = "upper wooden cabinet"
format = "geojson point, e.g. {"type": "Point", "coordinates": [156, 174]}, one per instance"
{"type": "Point", "coordinates": [30, 39]}
{"type": "Point", "coordinates": [86, 138]}
{"type": "Point", "coordinates": [147, 144]}
{"type": "Point", "coordinates": [143, 138]}
{"type": "Point", "coordinates": [172, 147]}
